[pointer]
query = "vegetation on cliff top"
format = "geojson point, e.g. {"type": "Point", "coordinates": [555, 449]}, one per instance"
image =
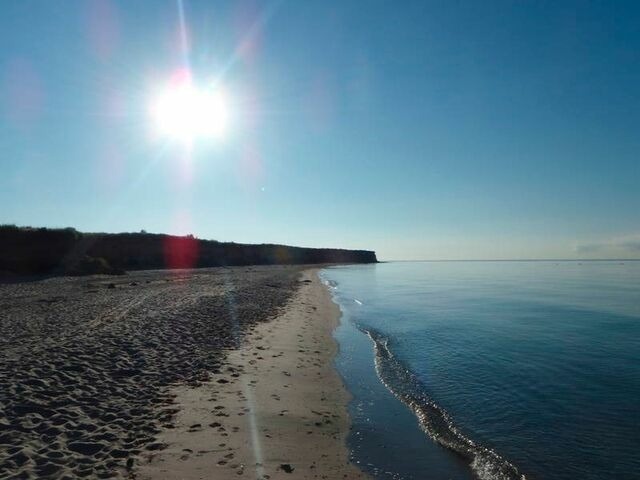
{"type": "Point", "coordinates": [38, 251]}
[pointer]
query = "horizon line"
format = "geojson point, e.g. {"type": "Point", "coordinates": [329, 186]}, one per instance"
{"type": "Point", "coordinates": [519, 260]}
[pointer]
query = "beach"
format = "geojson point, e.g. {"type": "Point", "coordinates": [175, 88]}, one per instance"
{"type": "Point", "coordinates": [212, 373]}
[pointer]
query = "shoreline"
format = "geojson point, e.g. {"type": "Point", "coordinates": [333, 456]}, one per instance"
{"type": "Point", "coordinates": [389, 441]}
{"type": "Point", "coordinates": [276, 409]}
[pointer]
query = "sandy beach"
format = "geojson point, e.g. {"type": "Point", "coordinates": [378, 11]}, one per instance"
{"type": "Point", "coordinates": [276, 410]}
{"type": "Point", "coordinates": [215, 373]}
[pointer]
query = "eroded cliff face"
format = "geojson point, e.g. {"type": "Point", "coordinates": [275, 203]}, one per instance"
{"type": "Point", "coordinates": [35, 251]}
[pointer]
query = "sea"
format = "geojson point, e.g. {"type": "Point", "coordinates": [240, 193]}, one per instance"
{"type": "Point", "coordinates": [491, 370]}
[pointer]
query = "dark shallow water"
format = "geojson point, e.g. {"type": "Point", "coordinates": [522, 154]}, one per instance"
{"type": "Point", "coordinates": [516, 367]}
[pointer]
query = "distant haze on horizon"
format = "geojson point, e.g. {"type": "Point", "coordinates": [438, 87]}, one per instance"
{"type": "Point", "coordinates": [420, 130]}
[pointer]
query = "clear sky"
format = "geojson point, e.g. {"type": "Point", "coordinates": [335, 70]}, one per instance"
{"type": "Point", "coordinates": [422, 130]}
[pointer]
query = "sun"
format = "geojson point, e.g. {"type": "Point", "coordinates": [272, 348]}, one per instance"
{"type": "Point", "coordinates": [185, 112]}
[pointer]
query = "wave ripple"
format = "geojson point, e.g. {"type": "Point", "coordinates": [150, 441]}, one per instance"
{"type": "Point", "coordinates": [434, 420]}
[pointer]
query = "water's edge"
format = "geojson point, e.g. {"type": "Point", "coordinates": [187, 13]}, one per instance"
{"type": "Point", "coordinates": [434, 421]}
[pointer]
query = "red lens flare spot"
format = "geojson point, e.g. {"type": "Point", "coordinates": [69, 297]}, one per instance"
{"type": "Point", "coordinates": [181, 77]}
{"type": "Point", "coordinates": [102, 27]}
{"type": "Point", "coordinates": [181, 252]}
{"type": "Point", "coordinates": [23, 93]}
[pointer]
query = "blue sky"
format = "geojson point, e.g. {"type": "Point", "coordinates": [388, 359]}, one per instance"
{"type": "Point", "coordinates": [423, 130]}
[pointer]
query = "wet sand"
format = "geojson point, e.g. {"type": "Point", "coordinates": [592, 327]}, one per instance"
{"type": "Point", "coordinates": [107, 377]}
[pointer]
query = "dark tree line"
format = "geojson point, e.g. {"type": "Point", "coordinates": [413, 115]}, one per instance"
{"type": "Point", "coordinates": [42, 251]}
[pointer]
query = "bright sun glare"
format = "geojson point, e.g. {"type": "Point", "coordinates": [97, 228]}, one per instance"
{"type": "Point", "coordinates": [187, 113]}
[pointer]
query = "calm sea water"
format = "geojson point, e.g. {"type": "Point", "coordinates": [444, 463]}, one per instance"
{"type": "Point", "coordinates": [492, 369]}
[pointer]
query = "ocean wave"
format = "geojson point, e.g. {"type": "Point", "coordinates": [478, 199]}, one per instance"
{"type": "Point", "coordinates": [329, 283]}
{"type": "Point", "coordinates": [434, 420]}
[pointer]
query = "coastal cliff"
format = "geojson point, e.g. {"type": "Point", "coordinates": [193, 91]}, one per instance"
{"type": "Point", "coordinates": [35, 251]}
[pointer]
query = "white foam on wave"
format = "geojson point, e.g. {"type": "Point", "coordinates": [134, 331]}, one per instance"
{"type": "Point", "coordinates": [434, 420]}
